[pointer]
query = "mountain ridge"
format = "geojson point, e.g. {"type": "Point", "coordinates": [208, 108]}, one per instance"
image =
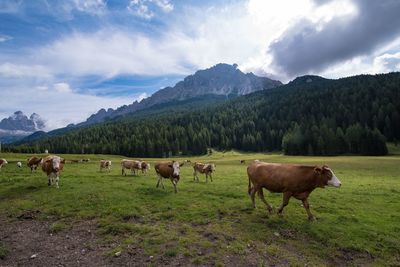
{"type": "Point", "coordinates": [18, 125]}
{"type": "Point", "coordinates": [221, 79]}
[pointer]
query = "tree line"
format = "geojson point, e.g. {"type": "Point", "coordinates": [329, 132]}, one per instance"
{"type": "Point", "coordinates": [309, 116]}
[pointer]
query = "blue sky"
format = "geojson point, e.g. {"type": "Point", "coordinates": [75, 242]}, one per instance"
{"type": "Point", "coordinates": [67, 59]}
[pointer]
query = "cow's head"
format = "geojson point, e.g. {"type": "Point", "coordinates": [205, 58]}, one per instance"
{"type": "Point", "coordinates": [328, 178]}
{"type": "Point", "coordinates": [5, 161]}
{"type": "Point", "coordinates": [212, 166]}
{"type": "Point", "coordinates": [56, 161]}
{"type": "Point", "coordinates": [176, 169]}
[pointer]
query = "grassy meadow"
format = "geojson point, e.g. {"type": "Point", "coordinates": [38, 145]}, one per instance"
{"type": "Point", "coordinates": [213, 223]}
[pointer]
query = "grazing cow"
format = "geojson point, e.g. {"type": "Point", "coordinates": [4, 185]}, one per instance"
{"type": "Point", "coordinates": [169, 170]}
{"type": "Point", "coordinates": [3, 162]}
{"type": "Point", "coordinates": [19, 164]}
{"type": "Point", "coordinates": [206, 169]}
{"type": "Point", "coordinates": [105, 164]}
{"type": "Point", "coordinates": [242, 161]}
{"type": "Point", "coordinates": [132, 165]}
{"type": "Point", "coordinates": [52, 165]}
{"type": "Point", "coordinates": [34, 162]}
{"type": "Point", "coordinates": [292, 180]}
{"type": "Point", "coordinates": [145, 167]}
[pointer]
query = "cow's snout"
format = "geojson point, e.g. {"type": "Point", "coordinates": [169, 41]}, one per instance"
{"type": "Point", "coordinates": [57, 169]}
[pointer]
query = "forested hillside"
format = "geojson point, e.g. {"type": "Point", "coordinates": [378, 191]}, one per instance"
{"type": "Point", "coordinates": [310, 115]}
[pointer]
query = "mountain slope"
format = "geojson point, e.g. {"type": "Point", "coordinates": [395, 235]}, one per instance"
{"type": "Point", "coordinates": [328, 117]}
{"type": "Point", "coordinates": [221, 79]}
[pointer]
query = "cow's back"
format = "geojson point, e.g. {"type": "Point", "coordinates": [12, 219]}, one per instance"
{"type": "Point", "coordinates": [280, 177]}
{"type": "Point", "coordinates": [198, 167]}
{"type": "Point", "coordinates": [163, 169]}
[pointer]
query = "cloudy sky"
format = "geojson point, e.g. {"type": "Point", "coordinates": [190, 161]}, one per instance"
{"type": "Point", "coordinates": [66, 59]}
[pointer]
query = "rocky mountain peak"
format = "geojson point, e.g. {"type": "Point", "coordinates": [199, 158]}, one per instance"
{"type": "Point", "coordinates": [20, 122]}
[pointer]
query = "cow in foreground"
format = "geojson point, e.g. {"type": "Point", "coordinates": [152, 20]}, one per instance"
{"type": "Point", "coordinates": [169, 170]}
{"type": "Point", "coordinates": [34, 162]}
{"type": "Point", "coordinates": [206, 169]}
{"type": "Point", "coordinates": [145, 167]}
{"type": "Point", "coordinates": [52, 165]}
{"type": "Point", "coordinates": [105, 164]}
{"type": "Point", "coordinates": [292, 180]}
{"type": "Point", "coordinates": [3, 162]}
{"type": "Point", "coordinates": [132, 165]}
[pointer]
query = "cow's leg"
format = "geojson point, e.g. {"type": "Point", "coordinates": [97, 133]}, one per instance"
{"type": "Point", "coordinates": [162, 182]}
{"type": "Point", "coordinates": [194, 175]}
{"type": "Point", "coordinates": [49, 179]}
{"type": "Point", "coordinates": [158, 182]}
{"type": "Point", "coordinates": [307, 207]}
{"type": "Point", "coordinates": [253, 195]}
{"type": "Point", "coordinates": [57, 178]}
{"type": "Point", "coordinates": [122, 171]}
{"type": "Point", "coordinates": [211, 176]}
{"type": "Point", "coordinates": [174, 183]}
{"type": "Point", "coordinates": [286, 197]}
{"type": "Point", "coordinates": [261, 195]}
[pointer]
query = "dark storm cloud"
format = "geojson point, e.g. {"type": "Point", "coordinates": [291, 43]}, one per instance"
{"type": "Point", "coordinates": [304, 48]}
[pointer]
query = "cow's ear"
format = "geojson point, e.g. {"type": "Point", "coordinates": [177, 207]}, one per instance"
{"type": "Point", "coordinates": [180, 165]}
{"type": "Point", "coordinates": [318, 170]}
{"type": "Point", "coordinates": [62, 161]}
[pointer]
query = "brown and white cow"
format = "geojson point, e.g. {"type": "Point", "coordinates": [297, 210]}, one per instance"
{"type": "Point", "coordinates": [105, 164]}
{"type": "Point", "coordinates": [206, 169]}
{"type": "Point", "coordinates": [169, 170]}
{"type": "Point", "coordinates": [292, 180]}
{"type": "Point", "coordinates": [132, 165]}
{"type": "Point", "coordinates": [3, 162]}
{"type": "Point", "coordinates": [34, 162]}
{"type": "Point", "coordinates": [52, 165]}
{"type": "Point", "coordinates": [145, 167]}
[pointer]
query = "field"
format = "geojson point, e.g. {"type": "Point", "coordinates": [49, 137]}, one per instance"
{"type": "Point", "coordinates": [104, 218]}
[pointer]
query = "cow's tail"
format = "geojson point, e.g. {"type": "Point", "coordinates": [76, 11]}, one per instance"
{"type": "Point", "coordinates": [249, 188]}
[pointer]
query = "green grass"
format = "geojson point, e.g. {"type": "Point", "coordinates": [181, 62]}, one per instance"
{"type": "Point", "coordinates": [208, 221]}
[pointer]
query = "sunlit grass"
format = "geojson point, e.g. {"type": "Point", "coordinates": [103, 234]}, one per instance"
{"type": "Point", "coordinates": [207, 220]}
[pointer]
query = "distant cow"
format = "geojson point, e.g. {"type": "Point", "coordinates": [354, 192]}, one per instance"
{"type": "Point", "coordinates": [206, 169]}
{"type": "Point", "coordinates": [132, 165]}
{"type": "Point", "coordinates": [242, 161]}
{"type": "Point", "coordinates": [292, 180]}
{"type": "Point", "coordinates": [145, 167]}
{"type": "Point", "coordinates": [85, 160]}
{"type": "Point", "coordinates": [2, 163]}
{"type": "Point", "coordinates": [105, 164]}
{"type": "Point", "coordinates": [34, 162]}
{"type": "Point", "coordinates": [169, 170]}
{"type": "Point", "coordinates": [52, 165]}
{"type": "Point", "coordinates": [19, 164]}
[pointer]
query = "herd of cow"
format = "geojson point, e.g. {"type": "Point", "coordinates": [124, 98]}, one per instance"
{"type": "Point", "coordinates": [296, 181]}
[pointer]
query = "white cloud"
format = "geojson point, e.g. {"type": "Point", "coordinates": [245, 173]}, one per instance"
{"type": "Point", "coordinates": [62, 88]}
{"type": "Point", "coordinates": [58, 108]}
{"type": "Point", "coordinates": [91, 6]}
{"type": "Point", "coordinates": [17, 70]}
{"type": "Point", "coordinates": [145, 8]}
{"type": "Point", "coordinates": [5, 38]}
